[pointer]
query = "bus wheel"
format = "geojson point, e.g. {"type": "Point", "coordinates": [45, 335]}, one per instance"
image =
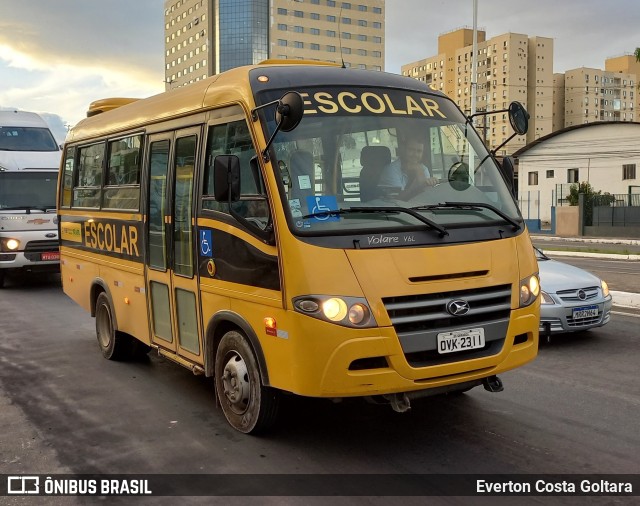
{"type": "Point", "coordinates": [248, 406]}
{"type": "Point", "coordinates": [113, 344]}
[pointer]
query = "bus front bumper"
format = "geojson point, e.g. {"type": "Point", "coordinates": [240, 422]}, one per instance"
{"type": "Point", "coordinates": [374, 363]}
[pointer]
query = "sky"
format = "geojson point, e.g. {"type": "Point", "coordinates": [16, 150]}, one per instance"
{"type": "Point", "coordinates": [58, 56]}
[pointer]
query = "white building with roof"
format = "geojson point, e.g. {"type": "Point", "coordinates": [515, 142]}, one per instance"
{"type": "Point", "coordinates": [605, 154]}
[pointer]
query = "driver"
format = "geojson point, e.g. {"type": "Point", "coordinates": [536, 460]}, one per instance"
{"type": "Point", "coordinates": [408, 173]}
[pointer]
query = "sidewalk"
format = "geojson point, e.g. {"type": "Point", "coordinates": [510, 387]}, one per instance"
{"type": "Point", "coordinates": [603, 240]}
{"type": "Point", "coordinates": [620, 299]}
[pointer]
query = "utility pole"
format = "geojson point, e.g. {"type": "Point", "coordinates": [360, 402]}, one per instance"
{"type": "Point", "coordinates": [474, 58]}
{"type": "Point", "coordinates": [474, 82]}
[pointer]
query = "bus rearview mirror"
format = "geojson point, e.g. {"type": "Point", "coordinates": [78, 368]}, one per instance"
{"type": "Point", "coordinates": [226, 178]}
{"type": "Point", "coordinates": [519, 118]}
{"type": "Point", "coordinates": [289, 111]}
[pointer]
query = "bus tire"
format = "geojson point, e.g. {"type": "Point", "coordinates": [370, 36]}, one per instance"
{"type": "Point", "coordinates": [248, 406]}
{"type": "Point", "coordinates": [113, 344]}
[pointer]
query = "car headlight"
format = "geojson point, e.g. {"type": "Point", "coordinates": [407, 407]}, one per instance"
{"type": "Point", "coordinates": [346, 311]}
{"type": "Point", "coordinates": [7, 244]}
{"type": "Point", "coordinates": [545, 298]}
{"type": "Point", "coordinates": [529, 290]}
{"type": "Point", "coordinates": [605, 288]}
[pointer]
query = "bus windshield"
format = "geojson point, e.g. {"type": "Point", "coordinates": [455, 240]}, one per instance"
{"type": "Point", "coordinates": [371, 159]}
{"type": "Point", "coordinates": [18, 138]}
{"type": "Point", "coordinates": [28, 190]}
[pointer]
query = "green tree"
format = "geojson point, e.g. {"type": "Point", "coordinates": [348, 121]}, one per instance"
{"type": "Point", "coordinates": [591, 198]}
{"type": "Point", "coordinates": [578, 188]}
{"type": "Point", "coordinates": [637, 54]}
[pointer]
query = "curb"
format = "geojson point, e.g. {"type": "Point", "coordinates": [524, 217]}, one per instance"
{"type": "Point", "coordinates": [626, 299]}
{"type": "Point", "coordinates": [602, 240]}
{"type": "Point", "coordinates": [608, 256]}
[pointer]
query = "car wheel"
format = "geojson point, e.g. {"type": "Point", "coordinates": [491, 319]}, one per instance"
{"type": "Point", "coordinates": [248, 406]}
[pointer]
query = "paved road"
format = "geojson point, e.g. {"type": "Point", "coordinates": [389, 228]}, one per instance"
{"type": "Point", "coordinates": [573, 410]}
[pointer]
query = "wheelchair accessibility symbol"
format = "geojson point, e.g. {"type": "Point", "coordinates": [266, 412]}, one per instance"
{"type": "Point", "coordinates": [323, 204]}
{"type": "Point", "coordinates": [205, 243]}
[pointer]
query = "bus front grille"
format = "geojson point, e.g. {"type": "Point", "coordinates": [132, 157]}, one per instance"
{"type": "Point", "coordinates": [418, 319]}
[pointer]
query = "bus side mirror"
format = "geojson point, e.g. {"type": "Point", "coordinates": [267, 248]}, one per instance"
{"type": "Point", "coordinates": [226, 178]}
{"type": "Point", "coordinates": [289, 111]}
{"type": "Point", "coordinates": [518, 118]}
{"type": "Point", "coordinates": [508, 171]}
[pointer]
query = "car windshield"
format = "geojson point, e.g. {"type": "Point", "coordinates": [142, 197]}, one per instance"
{"type": "Point", "coordinates": [372, 159]}
{"type": "Point", "coordinates": [26, 139]}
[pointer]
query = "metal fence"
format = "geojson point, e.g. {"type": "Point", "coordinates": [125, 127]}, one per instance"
{"type": "Point", "coordinates": [612, 209]}
{"type": "Point", "coordinates": [561, 193]}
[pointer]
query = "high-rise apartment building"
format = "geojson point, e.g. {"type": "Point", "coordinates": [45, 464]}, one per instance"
{"type": "Point", "coordinates": [205, 37]}
{"type": "Point", "coordinates": [597, 95]}
{"type": "Point", "coordinates": [510, 67]}
{"type": "Point", "coordinates": [626, 64]}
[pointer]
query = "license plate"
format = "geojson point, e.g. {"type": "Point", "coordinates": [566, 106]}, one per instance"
{"type": "Point", "coordinates": [460, 340]}
{"type": "Point", "coordinates": [50, 255]}
{"type": "Point", "coordinates": [580, 313]}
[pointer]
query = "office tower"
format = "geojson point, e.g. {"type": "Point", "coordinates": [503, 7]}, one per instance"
{"type": "Point", "coordinates": [205, 37]}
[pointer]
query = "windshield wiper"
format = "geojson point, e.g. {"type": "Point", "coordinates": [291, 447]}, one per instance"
{"type": "Point", "coordinates": [470, 206]}
{"type": "Point", "coordinates": [387, 210]}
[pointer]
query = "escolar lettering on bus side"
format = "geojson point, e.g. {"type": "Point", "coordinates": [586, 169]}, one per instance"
{"type": "Point", "coordinates": [113, 237]}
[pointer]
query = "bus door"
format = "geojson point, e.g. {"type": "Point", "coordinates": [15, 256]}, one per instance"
{"type": "Point", "coordinates": [171, 275]}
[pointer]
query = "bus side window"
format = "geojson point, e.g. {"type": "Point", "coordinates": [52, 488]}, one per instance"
{"type": "Point", "coordinates": [89, 176]}
{"type": "Point", "coordinates": [123, 174]}
{"type": "Point", "coordinates": [235, 139]}
{"type": "Point", "coordinates": [67, 179]}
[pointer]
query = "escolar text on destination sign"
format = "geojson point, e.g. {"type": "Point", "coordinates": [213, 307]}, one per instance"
{"type": "Point", "coordinates": [369, 102]}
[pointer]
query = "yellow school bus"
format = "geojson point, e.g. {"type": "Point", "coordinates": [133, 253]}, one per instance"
{"type": "Point", "coordinates": [263, 227]}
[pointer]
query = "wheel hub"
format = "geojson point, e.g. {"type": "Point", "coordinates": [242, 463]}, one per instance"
{"type": "Point", "coordinates": [235, 383]}
{"type": "Point", "coordinates": [104, 327]}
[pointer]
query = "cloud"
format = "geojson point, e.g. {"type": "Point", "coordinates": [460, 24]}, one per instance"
{"type": "Point", "coordinates": [72, 87]}
{"type": "Point", "coordinates": [81, 32]}
{"type": "Point", "coordinates": [59, 56]}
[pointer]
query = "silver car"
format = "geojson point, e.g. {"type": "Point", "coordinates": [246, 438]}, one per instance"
{"type": "Point", "coordinates": [572, 299]}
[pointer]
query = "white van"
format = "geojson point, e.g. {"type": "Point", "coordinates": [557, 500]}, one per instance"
{"type": "Point", "coordinates": [29, 163]}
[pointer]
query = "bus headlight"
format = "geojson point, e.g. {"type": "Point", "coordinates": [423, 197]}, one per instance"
{"type": "Point", "coordinates": [334, 309]}
{"type": "Point", "coordinates": [346, 311]}
{"type": "Point", "coordinates": [9, 244]}
{"type": "Point", "coordinates": [358, 313]}
{"type": "Point", "coordinates": [529, 290]}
